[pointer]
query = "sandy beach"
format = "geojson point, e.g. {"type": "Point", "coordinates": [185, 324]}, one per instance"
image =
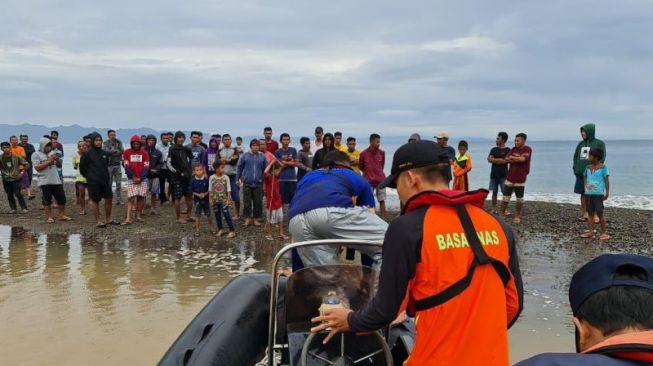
{"type": "Point", "coordinates": [631, 229]}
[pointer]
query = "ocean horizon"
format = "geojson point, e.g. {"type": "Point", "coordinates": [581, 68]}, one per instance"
{"type": "Point", "coordinates": [551, 178]}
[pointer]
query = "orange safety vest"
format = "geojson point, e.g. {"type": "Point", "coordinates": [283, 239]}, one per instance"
{"type": "Point", "coordinates": [463, 294]}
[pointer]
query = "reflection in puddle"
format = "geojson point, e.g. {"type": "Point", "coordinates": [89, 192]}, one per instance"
{"type": "Point", "coordinates": [108, 296]}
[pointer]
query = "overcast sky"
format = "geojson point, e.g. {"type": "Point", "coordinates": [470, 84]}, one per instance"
{"type": "Point", "coordinates": [395, 67]}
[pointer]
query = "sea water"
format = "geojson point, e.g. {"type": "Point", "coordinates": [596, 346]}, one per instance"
{"type": "Point", "coordinates": [551, 178]}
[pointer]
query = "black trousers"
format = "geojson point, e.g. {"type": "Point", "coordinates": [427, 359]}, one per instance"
{"type": "Point", "coordinates": [253, 196]}
{"type": "Point", "coordinates": [13, 189]}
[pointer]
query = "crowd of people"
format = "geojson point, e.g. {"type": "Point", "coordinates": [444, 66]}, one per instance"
{"type": "Point", "coordinates": [238, 179]}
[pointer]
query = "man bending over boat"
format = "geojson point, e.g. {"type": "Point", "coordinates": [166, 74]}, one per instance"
{"type": "Point", "coordinates": [333, 202]}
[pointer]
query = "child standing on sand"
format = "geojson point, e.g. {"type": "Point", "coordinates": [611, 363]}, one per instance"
{"type": "Point", "coordinates": [273, 202]}
{"type": "Point", "coordinates": [80, 181]}
{"type": "Point", "coordinates": [462, 165]}
{"type": "Point", "coordinates": [199, 186]}
{"type": "Point", "coordinates": [597, 190]}
{"type": "Point", "coordinates": [220, 198]}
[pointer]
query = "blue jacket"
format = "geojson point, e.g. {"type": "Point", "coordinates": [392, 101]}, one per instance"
{"type": "Point", "coordinates": [250, 169]}
{"type": "Point", "coordinates": [330, 188]}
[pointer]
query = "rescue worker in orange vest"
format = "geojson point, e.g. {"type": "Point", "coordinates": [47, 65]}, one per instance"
{"type": "Point", "coordinates": [449, 263]}
{"type": "Point", "coordinates": [611, 299]}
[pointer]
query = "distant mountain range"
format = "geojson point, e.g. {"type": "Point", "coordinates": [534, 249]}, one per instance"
{"type": "Point", "coordinates": [68, 134]}
{"type": "Point", "coordinates": [72, 134]}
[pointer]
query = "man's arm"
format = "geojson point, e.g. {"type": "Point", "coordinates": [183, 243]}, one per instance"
{"type": "Point", "coordinates": [23, 161]}
{"type": "Point", "coordinates": [401, 248]}
{"type": "Point", "coordinates": [361, 162]}
{"type": "Point", "coordinates": [45, 164]}
{"type": "Point", "coordinates": [515, 288]}
{"type": "Point", "coordinates": [83, 165]}
{"type": "Point", "coordinates": [239, 167]}
{"type": "Point", "coordinates": [607, 187]}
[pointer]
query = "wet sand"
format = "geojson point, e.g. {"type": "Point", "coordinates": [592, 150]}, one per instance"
{"type": "Point", "coordinates": [73, 294]}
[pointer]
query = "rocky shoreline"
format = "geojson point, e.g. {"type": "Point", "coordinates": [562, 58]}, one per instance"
{"type": "Point", "coordinates": [631, 229]}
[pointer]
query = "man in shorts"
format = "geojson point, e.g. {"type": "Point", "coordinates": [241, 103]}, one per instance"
{"type": "Point", "coordinates": [154, 176]}
{"type": "Point", "coordinates": [114, 148]}
{"type": "Point", "coordinates": [179, 162]}
{"type": "Point", "coordinates": [371, 163]}
{"type": "Point", "coordinates": [581, 161]}
{"type": "Point", "coordinates": [49, 181]}
{"type": "Point", "coordinates": [94, 166]}
{"type": "Point", "coordinates": [12, 167]}
{"type": "Point", "coordinates": [499, 170]}
{"type": "Point", "coordinates": [137, 164]}
{"type": "Point", "coordinates": [289, 160]}
{"type": "Point", "coordinates": [519, 159]}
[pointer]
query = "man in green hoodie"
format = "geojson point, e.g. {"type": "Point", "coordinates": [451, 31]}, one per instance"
{"type": "Point", "coordinates": [581, 161]}
{"type": "Point", "coordinates": [12, 167]}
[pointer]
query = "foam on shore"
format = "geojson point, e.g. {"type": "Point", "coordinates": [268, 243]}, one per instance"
{"type": "Point", "coordinates": [623, 201]}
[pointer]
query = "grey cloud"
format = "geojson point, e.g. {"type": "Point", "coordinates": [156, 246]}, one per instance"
{"type": "Point", "coordinates": [468, 66]}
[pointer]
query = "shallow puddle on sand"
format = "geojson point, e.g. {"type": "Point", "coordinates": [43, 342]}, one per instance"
{"type": "Point", "coordinates": [68, 299]}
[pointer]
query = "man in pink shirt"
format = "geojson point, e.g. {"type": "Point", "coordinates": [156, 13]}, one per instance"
{"type": "Point", "coordinates": [371, 163]}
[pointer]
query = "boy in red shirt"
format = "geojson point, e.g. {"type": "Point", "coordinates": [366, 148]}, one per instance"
{"type": "Point", "coordinates": [136, 161]}
{"type": "Point", "coordinates": [519, 159]}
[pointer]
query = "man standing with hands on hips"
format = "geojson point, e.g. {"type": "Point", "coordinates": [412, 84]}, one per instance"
{"type": "Point", "coordinates": [454, 263]}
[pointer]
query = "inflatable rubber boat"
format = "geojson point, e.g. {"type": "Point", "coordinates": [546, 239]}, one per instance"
{"type": "Point", "coordinates": [261, 319]}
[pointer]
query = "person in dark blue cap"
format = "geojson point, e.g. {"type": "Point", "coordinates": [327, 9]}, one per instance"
{"type": "Point", "coordinates": [611, 300]}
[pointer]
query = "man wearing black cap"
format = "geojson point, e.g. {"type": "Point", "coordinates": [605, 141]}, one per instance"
{"type": "Point", "coordinates": [611, 299]}
{"type": "Point", "coordinates": [454, 263]}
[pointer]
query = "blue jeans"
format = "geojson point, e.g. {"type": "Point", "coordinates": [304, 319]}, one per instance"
{"type": "Point", "coordinates": [220, 209]}
{"type": "Point", "coordinates": [497, 184]}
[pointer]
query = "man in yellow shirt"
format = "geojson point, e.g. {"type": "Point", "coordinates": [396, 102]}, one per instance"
{"type": "Point", "coordinates": [338, 142]}
{"type": "Point", "coordinates": [353, 154]}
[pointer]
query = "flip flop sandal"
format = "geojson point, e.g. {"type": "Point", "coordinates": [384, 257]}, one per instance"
{"type": "Point", "coordinates": [582, 219]}
{"type": "Point", "coordinates": [516, 220]}
{"type": "Point", "coordinates": [101, 226]}
{"type": "Point", "coordinates": [126, 223]}
{"type": "Point", "coordinates": [139, 219]}
{"type": "Point", "coordinates": [49, 221]}
{"type": "Point", "coordinates": [269, 237]}
{"type": "Point", "coordinates": [65, 218]}
{"type": "Point", "coordinates": [197, 234]}
{"type": "Point", "coordinates": [115, 223]}
{"type": "Point", "coordinates": [284, 237]}
{"type": "Point", "coordinates": [604, 237]}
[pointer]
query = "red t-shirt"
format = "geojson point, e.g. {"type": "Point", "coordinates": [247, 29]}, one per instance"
{"type": "Point", "coordinates": [518, 172]}
{"type": "Point", "coordinates": [371, 163]}
{"type": "Point", "coordinates": [271, 146]}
